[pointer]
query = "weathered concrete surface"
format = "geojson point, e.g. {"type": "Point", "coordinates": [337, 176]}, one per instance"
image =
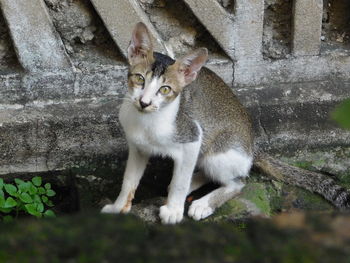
{"type": "Point", "coordinates": [36, 41]}
{"type": "Point", "coordinates": [306, 30]}
{"type": "Point", "coordinates": [223, 68]}
{"type": "Point", "coordinates": [120, 19]}
{"type": "Point", "coordinates": [248, 29]}
{"type": "Point", "coordinates": [55, 137]}
{"type": "Point", "coordinates": [8, 59]}
{"type": "Point", "coordinates": [289, 117]}
{"type": "Point", "coordinates": [300, 69]}
{"type": "Point", "coordinates": [57, 121]}
{"type": "Point", "coordinates": [217, 21]}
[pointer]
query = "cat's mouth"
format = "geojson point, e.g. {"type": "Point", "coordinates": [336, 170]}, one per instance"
{"type": "Point", "coordinates": [148, 109]}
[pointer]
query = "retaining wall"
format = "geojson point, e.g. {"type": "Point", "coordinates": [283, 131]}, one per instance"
{"type": "Point", "coordinates": [63, 71]}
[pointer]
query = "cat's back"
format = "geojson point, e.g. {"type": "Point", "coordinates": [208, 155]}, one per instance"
{"type": "Point", "coordinates": [219, 112]}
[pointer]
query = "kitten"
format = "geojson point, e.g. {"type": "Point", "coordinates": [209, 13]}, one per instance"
{"type": "Point", "coordinates": [179, 109]}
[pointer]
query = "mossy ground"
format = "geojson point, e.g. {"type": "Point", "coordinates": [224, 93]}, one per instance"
{"type": "Point", "coordinates": [90, 237]}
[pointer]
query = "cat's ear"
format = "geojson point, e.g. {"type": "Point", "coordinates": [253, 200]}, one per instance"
{"type": "Point", "coordinates": [140, 47]}
{"type": "Point", "coordinates": [190, 65]}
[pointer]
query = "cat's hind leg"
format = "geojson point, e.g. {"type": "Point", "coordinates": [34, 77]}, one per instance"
{"type": "Point", "coordinates": [226, 169]}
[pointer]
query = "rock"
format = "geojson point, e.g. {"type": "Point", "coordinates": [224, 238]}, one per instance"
{"type": "Point", "coordinates": [184, 42]}
{"type": "Point", "coordinates": [277, 29]}
{"type": "Point", "coordinates": [148, 210]}
{"type": "Point", "coordinates": [37, 51]}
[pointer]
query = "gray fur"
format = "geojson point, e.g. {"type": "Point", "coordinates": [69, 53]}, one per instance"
{"type": "Point", "coordinates": [224, 121]}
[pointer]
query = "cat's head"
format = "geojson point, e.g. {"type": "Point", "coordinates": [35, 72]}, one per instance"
{"type": "Point", "coordinates": [154, 79]}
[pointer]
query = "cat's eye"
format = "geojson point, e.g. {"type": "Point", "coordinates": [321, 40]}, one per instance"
{"type": "Point", "coordinates": [164, 90]}
{"type": "Point", "coordinates": [138, 79]}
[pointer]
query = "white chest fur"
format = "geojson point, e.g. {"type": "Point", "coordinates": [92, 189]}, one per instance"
{"type": "Point", "coordinates": [150, 132]}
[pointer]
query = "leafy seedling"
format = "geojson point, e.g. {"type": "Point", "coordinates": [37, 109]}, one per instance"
{"type": "Point", "coordinates": [28, 197]}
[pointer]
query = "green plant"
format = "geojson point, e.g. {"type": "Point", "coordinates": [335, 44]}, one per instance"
{"type": "Point", "coordinates": [30, 197]}
{"type": "Point", "coordinates": [342, 114]}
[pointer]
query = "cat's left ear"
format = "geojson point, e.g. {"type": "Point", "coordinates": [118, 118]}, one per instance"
{"type": "Point", "coordinates": [140, 47]}
{"type": "Point", "coordinates": [190, 65]}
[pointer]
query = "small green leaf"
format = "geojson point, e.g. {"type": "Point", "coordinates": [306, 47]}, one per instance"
{"type": "Point", "coordinates": [41, 190]}
{"type": "Point", "coordinates": [32, 189]}
{"type": "Point", "coordinates": [2, 201]}
{"type": "Point", "coordinates": [50, 193]}
{"type": "Point", "coordinates": [46, 201]}
{"type": "Point", "coordinates": [10, 202]}
{"type": "Point", "coordinates": [11, 189]}
{"type": "Point", "coordinates": [1, 183]}
{"type": "Point", "coordinates": [24, 187]}
{"type": "Point", "coordinates": [49, 213]}
{"type": "Point", "coordinates": [8, 218]}
{"type": "Point", "coordinates": [19, 181]}
{"type": "Point", "coordinates": [47, 186]}
{"type": "Point", "coordinates": [2, 193]}
{"type": "Point", "coordinates": [31, 209]}
{"type": "Point", "coordinates": [37, 199]}
{"type": "Point", "coordinates": [5, 210]}
{"type": "Point", "coordinates": [40, 207]}
{"type": "Point", "coordinates": [25, 198]}
{"type": "Point", "coordinates": [37, 181]}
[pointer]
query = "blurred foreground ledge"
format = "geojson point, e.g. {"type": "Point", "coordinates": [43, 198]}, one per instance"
{"type": "Point", "coordinates": [91, 237]}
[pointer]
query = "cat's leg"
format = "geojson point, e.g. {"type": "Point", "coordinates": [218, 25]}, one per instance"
{"type": "Point", "coordinates": [184, 164]}
{"type": "Point", "coordinates": [197, 181]}
{"type": "Point", "coordinates": [135, 167]}
{"type": "Point", "coordinates": [226, 169]}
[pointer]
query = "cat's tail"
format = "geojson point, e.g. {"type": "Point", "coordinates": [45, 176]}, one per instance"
{"type": "Point", "coordinates": [312, 181]}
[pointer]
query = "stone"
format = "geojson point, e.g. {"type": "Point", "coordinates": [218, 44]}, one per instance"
{"type": "Point", "coordinates": [120, 19]}
{"type": "Point", "coordinates": [287, 117]}
{"type": "Point", "coordinates": [301, 69]}
{"type": "Point", "coordinates": [306, 30]}
{"type": "Point", "coordinates": [277, 29]}
{"type": "Point", "coordinates": [217, 21]}
{"type": "Point", "coordinates": [37, 43]}
{"type": "Point", "coordinates": [72, 21]}
{"type": "Point", "coordinates": [248, 29]}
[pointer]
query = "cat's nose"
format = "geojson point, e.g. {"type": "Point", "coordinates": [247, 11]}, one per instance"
{"type": "Point", "coordinates": [144, 104]}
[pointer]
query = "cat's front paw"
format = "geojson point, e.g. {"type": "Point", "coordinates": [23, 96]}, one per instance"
{"type": "Point", "coordinates": [110, 209]}
{"type": "Point", "coordinates": [115, 209]}
{"type": "Point", "coordinates": [171, 215]}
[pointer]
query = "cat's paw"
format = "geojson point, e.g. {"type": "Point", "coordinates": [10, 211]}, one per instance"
{"type": "Point", "coordinates": [115, 209]}
{"type": "Point", "coordinates": [110, 209]}
{"type": "Point", "coordinates": [171, 215]}
{"type": "Point", "coordinates": [200, 210]}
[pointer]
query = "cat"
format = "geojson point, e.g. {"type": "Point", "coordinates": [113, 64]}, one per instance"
{"type": "Point", "coordinates": [182, 110]}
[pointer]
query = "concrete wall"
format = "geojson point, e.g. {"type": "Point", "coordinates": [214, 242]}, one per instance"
{"type": "Point", "coordinates": [63, 71]}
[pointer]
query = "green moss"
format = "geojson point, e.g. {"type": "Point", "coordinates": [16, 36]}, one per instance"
{"type": "Point", "coordinates": [231, 209]}
{"type": "Point", "coordinates": [303, 199]}
{"type": "Point", "coordinates": [344, 180]}
{"type": "Point", "coordinates": [258, 194]}
{"type": "Point", "coordinates": [303, 164]}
